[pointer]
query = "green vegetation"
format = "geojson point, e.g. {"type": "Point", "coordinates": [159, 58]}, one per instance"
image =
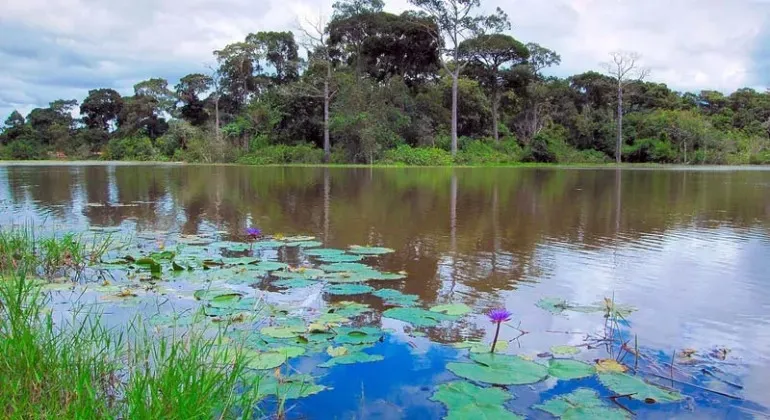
{"type": "Point", "coordinates": [397, 100]}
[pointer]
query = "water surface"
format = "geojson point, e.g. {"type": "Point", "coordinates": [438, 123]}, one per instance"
{"type": "Point", "coordinates": [690, 248]}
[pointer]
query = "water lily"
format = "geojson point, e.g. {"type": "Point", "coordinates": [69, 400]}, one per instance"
{"type": "Point", "coordinates": [498, 316]}
{"type": "Point", "coordinates": [253, 232]}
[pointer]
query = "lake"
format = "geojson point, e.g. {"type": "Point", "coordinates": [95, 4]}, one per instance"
{"type": "Point", "coordinates": [688, 248]}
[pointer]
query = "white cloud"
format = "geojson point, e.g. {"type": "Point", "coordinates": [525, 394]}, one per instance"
{"type": "Point", "coordinates": [52, 49]}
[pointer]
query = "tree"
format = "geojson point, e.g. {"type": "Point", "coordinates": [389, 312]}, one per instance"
{"type": "Point", "coordinates": [319, 55]}
{"type": "Point", "coordinates": [157, 89]}
{"type": "Point", "coordinates": [624, 68]}
{"type": "Point", "coordinates": [347, 8]}
{"type": "Point", "coordinates": [487, 55]}
{"type": "Point", "coordinates": [536, 92]}
{"type": "Point", "coordinates": [454, 23]}
{"type": "Point", "coordinates": [280, 53]}
{"type": "Point", "coordinates": [101, 108]}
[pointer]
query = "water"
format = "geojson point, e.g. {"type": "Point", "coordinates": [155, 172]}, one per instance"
{"type": "Point", "coordinates": [688, 247]}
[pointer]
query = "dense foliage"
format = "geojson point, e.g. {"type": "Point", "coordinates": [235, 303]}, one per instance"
{"type": "Point", "coordinates": [388, 85]}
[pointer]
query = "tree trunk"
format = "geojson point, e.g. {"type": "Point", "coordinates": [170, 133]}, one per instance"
{"type": "Point", "coordinates": [216, 116]}
{"type": "Point", "coordinates": [327, 98]}
{"type": "Point", "coordinates": [495, 106]}
{"type": "Point", "coordinates": [455, 85]}
{"type": "Point", "coordinates": [619, 145]}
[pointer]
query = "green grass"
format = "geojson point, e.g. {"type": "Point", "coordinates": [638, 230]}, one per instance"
{"type": "Point", "coordinates": [81, 369]}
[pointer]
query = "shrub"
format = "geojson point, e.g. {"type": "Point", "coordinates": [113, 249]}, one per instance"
{"type": "Point", "coordinates": [480, 152]}
{"type": "Point", "coordinates": [550, 145]}
{"type": "Point", "coordinates": [417, 156]}
{"type": "Point", "coordinates": [23, 150]}
{"type": "Point", "coordinates": [281, 154]}
{"type": "Point", "coordinates": [130, 148]}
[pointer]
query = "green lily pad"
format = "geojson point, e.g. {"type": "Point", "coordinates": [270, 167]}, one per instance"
{"type": "Point", "coordinates": [499, 369]}
{"type": "Point", "coordinates": [623, 384]}
{"type": "Point", "coordinates": [293, 283]}
{"type": "Point", "coordinates": [581, 404]}
{"type": "Point", "coordinates": [349, 309]}
{"type": "Point", "coordinates": [304, 244]}
{"type": "Point", "coordinates": [395, 297]}
{"type": "Point", "coordinates": [331, 318]}
{"type": "Point", "coordinates": [348, 289]}
{"type": "Point", "coordinates": [553, 305]}
{"type": "Point", "coordinates": [455, 309]}
{"type": "Point", "coordinates": [209, 294]}
{"type": "Point", "coordinates": [269, 266]}
{"type": "Point", "coordinates": [340, 258]}
{"type": "Point", "coordinates": [467, 401]}
{"type": "Point", "coordinates": [479, 347]}
{"type": "Point", "coordinates": [352, 358]}
{"type": "Point", "coordinates": [287, 387]}
{"type": "Point", "coordinates": [287, 331]}
{"type": "Point", "coordinates": [298, 238]}
{"type": "Point", "coordinates": [381, 275]}
{"type": "Point", "coordinates": [266, 244]}
{"type": "Point", "coordinates": [564, 350]}
{"type": "Point", "coordinates": [240, 260]}
{"type": "Point", "coordinates": [360, 335]}
{"type": "Point", "coordinates": [570, 369]}
{"type": "Point", "coordinates": [302, 273]}
{"type": "Point", "coordinates": [342, 267]}
{"type": "Point", "coordinates": [417, 316]}
{"type": "Point", "coordinates": [264, 360]}
{"type": "Point", "coordinates": [370, 250]}
{"type": "Point", "coordinates": [345, 277]}
{"type": "Point", "coordinates": [323, 252]}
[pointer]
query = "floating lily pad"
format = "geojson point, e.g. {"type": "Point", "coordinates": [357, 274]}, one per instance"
{"type": "Point", "coordinates": [264, 360]}
{"type": "Point", "coordinates": [395, 297]}
{"type": "Point", "coordinates": [381, 275]}
{"type": "Point", "coordinates": [301, 273]}
{"type": "Point", "coordinates": [336, 351]}
{"type": "Point", "coordinates": [370, 250]}
{"type": "Point", "coordinates": [266, 244]}
{"type": "Point", "coordinates": [638, 389]}
{"type": "Point", "coordinates": [467, 401]}
{"type": "Point", "coordinates": [240, 260]}
{"type": "Point", "coordinates": [269, 266]}
{"type": "Point", "coordinates": [360, 335]}
{"type": "Point", "coordinates": [564, 350]}
{"type": "Point", "coordinates": [455, 309]}
{"type": "Point", "coordinates": [553, 305]}
{"type": "Point", "coordinates": [479, 347]}
{"type": "Point", "coordinates": [324, 252]}
{"type": "Point", "coordinates": [342, 267]}
{"type": "Point", "coordinates": [331, 318]}
{"type": "Point", "coordinates": [348, 289]}
{"type": "Point", "coordinates": [287, 331]}
{"type": "Point", "coordinates": [610, 366]}
{"type": "Point", "coordinates": [499, 369]}
{"type": "Point", "coordinates": [352, 358]}
{"type": "Point", "coordinates": [287, 387]}
{"type": "Point", "coordinates": [295, 238]}
{"type": "Point", "coordinates": [417, 316]}
{"type": "Point", "coordinates": [304, 244]}
{"type": "Point", "coordinates": [349, 309]}
{"type": "Point", "coordinates": [293, 283]}
{"type": "Point", "coordinates": [581, 404]}
{"type": "Point", "coordinates": [345, 277]}
{"type": "Point", "coordinates": [210, 294]}
{"type": "Point", "coordinates": [339, 258]}
{"type": "Point", "coordinates": [569, 369]}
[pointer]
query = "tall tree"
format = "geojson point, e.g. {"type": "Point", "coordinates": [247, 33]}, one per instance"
{"type": "Point", "coordinates": [189, 91]}
{"type": "Point", "coordinates": [455, 22]}
{"type": "Point", "coordinates": [488, 54]}
{"type": "Point", "coordinates": [101, 108]}
{"type": "Point", "coordinates": [157, 88]}
{"type": "Point", "coordinates": [624, 68]}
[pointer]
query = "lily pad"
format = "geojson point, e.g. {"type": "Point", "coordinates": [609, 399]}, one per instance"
{"type": "Point", "coordinates": [345, 277]}
{"type": "Point", "coordinates": [288, 331]}
{"type": "Point", "coordinates": [499, 369]}
{"type": "Point", "coordinates": [610, 366]}
{"type": "Point", "coordinates": [581, 404]}
{"type": "Point", "coordinates": [293, 283]}
{"type": "Point", "coordinates": [298, 238]}
{"type": "Point", "coordinates": [553, 305]}
{"type": "Point", "coordinates": [323, 252]}
{"type": "Point", "coordinates": [417, 316]}
{"type": "Point", "coordinates": [336, 351]}
{"type": "Point", "coordinates": [638, 389]}
{"type": "Point", "coordinates": [352, 358]}
{"type": "Point", "coordinates": [342, 267]}
{"type": "Point", "coordinates": [287, 387]}
{"type": "Point", "coordinates": [269, 266]}
{"type": "Point", "coordinates": [264, 360]}
{"type": "Point", "coordinates": [467, 401]}
{"type": "Point", "coordinates": [304, 244]}
{"type": "Point", "coordinates": [240, 260]}
{"type": "Point", "coordinates": [479, 347]}
{"type": "Point", "coordinates": [569, 369]}
{"type": "Point", "coordinates": [349, 309]}
{"type": "Point", "coordinates": [339, 258]}
{"type": "Point", "coordinates": [348, 289]}
{"type": "Point", "coordinates": [395, 297]}
{"type": "Point", "coordinates": [360, 335]}
{"type": "Point", "coordinates": [210, 294]}
{"type": "Point", "coordinates": [455, 309]}
{"type": "Point", "coordinates": [300, 273]}
{"type": "Point", "coordinates": [564, 350]}
{"type": "Point", "coordinates": [370, 250]}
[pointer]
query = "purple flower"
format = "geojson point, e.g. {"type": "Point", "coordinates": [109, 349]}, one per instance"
{"type": "Point", "coordinates": [253, 232]}
{"type": "Point", "coordinates": [499, 315]}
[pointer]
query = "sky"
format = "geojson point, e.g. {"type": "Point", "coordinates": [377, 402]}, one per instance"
{"type": "Point", "coordinates": [59, 49]}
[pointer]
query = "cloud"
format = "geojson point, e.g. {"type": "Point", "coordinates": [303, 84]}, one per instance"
{"type": "Point", "coordinates": [52, 49]}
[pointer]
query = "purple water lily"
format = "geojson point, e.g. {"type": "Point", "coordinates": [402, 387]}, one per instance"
{"type": "Point", "coordinates": [253, 232]}
{"type": "Point", "coordinates": [498, 316]}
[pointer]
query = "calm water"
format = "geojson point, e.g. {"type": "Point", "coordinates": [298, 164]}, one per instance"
{"type": "Point", "coordinates": [689, 248]}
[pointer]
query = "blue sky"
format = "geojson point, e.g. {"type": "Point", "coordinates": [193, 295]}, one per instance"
{"type": "Point", "coordinates": [52, 49]}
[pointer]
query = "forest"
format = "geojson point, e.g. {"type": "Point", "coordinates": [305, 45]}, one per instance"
{"type": "Point", "coordinates": [441, 84]}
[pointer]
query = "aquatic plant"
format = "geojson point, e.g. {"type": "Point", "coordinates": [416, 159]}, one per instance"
{"type": "Point", "coordinates": [498, 316]}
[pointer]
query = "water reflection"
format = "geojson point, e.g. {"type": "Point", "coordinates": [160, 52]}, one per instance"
{"type": "Point", "coordinates": [689, 247]}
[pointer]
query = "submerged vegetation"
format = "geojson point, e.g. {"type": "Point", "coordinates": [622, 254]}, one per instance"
{"type": "Point", "coordinates": [378, 87]}
{"type": "Point", "coordinates": [225, 341]}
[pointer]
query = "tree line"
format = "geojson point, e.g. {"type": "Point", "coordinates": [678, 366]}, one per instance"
{"type": "Point", "coordinates": [440, 84]}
